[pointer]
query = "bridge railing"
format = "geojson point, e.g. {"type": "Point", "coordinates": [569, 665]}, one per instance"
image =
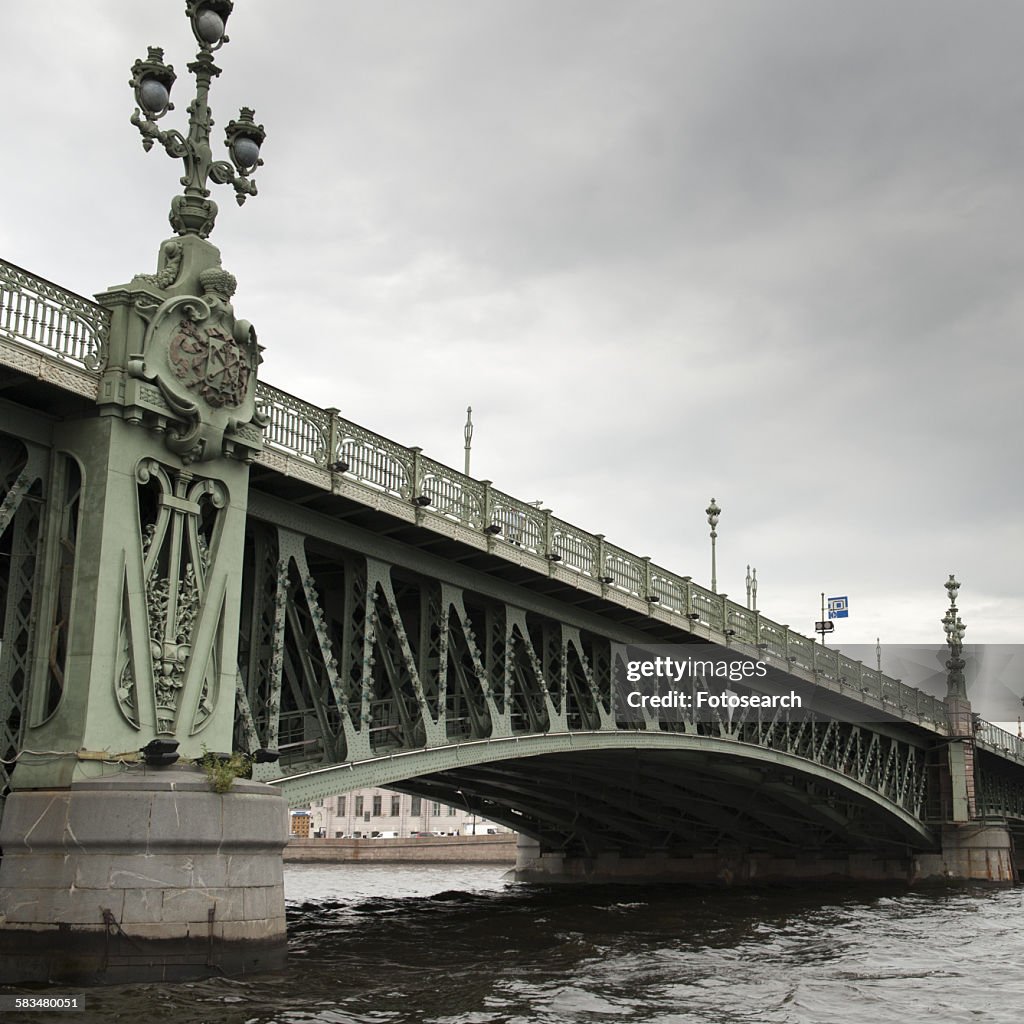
{"type": "Point", "coordinates": [296, 427]}
{"type": "Point", "coordinates": [1000, 740]}
{"type": "Point", "coordinates": [72, 329]}
{"type": "Point", "coordinates": [49, 318]}
{"type": "Point", "coordinates": [323, 437]}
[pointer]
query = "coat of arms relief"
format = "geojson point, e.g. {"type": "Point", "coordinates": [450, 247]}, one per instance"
{"type": "Point", "coordinates": [204, 362]}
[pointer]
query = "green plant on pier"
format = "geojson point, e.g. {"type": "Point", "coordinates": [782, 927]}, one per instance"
{"type": "Point", "coordinates": [222, 770]}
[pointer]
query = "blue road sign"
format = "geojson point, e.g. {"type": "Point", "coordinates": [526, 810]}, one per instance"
{"type": "Point", "coordinates": [838, 607]}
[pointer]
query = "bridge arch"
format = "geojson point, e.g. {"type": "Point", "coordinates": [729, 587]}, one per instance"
{"type": "Point", "coordinates": [589, 792]}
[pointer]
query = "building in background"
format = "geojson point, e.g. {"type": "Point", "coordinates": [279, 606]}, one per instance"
{"type": "Point", "coordinates": [365, 813]}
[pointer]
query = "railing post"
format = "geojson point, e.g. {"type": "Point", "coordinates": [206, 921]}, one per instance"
{"type": "Point", "coordinates": [725, 612]}
{"type": "Point", "coordinates": [548, 552]}
{"type": "Point", "coordinates": [332, 435]}
{"type": "Point", "coordinates": [599, 556]}
{"type": "Point", "coordinates": [485, 512]}
{"type": "Point", "coordinates": [688, 598]}
{"type": "Point", "coordinates": [417, 473]}
{"type": "Point", "coordinates": [648, 592]}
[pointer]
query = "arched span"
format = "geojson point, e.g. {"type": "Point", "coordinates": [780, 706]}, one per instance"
{"type": "Point", "coordinates": [646, 790]}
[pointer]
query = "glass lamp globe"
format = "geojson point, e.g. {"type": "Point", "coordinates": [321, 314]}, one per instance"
{"type": "Point", "coordinates": [246, 152]}
{"type": "Point", "coordinates": [209, 26]}
{"type": "Point", "coordinates": [154, 95]}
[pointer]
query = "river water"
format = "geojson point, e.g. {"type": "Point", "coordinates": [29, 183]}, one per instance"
{"type": "Point", "coordinates": [456, 944]}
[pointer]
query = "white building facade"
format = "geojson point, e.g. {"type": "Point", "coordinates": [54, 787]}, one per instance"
{"type": "Point", "coordinates": [365, 813]}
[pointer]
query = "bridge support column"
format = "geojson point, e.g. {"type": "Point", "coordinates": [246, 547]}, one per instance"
{"type": "Point", "coordinates": [146, 875]}
{"type": "Point", "coordinates": [114, 871]}
{"type": "Point", "coordinates": [976, 852]}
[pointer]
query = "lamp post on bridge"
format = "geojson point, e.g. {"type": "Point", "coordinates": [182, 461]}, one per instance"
{"type": "Point", "coordinates": [956, 685]}
{"type": "Point", "coordinates": [155, 608]}
{"type": "Point", "coordinates": [193, 212]}
{"type": "Point", "coordinates": [960, 719]}
{"type": "Point", "coordinates": [713, 512]}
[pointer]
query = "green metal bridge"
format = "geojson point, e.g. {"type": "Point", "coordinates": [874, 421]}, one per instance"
{"type": "Point", "coordinates": [402, 624]}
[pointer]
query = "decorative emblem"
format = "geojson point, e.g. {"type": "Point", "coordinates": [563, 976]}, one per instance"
{"type": "Point", "coordinates": [209, 361]}
{"type": "Point", "coordinates": [204, 362]}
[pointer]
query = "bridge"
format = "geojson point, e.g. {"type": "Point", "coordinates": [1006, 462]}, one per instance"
{"type": "Point", "coordinates": [401, 624]}
{"type": "Point", "coordinates": [194, 564]}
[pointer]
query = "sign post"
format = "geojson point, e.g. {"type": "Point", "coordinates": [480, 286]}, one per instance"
{"type": "Point", "coordinates": [838, 608]}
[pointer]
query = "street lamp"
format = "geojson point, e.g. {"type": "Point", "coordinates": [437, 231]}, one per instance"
{"type": "Point", "coordinates": [193, 212]}
{"type": "Point", "coordinates": [954, 628]}
{"type": "Point", "coordinates": [713, 512]}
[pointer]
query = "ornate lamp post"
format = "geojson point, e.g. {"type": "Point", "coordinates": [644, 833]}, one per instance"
{"type": "Point", "coordinates": [956, 686]}
{"type": "Point", "coordinates": [468, 434]}
{"type": "Point", "coordinates": [193, 212]}
{"type": "Point", "coordinates": [713, 512]}
{"type": "Point", "coordinates": [962, 722]}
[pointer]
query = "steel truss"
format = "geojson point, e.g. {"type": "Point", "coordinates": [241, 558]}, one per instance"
{"type": "Point", "coordinates": [37, 561]}
{"type": "Point", "coordinates": [1000, 790]}
{"type": "Point", "coordinates": [346, 659]}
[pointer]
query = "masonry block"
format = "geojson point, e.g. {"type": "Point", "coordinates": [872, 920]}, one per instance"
{"type": "Point", "coordinates": [156, 851]}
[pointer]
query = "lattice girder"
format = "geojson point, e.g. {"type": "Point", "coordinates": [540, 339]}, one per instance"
{"type": "Point", "coordinates": [423, 677]}
{"type": "Point", "coordinates": [21, 537]}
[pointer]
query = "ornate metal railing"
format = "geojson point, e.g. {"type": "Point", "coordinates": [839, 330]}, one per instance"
{"type": "Point", "coordinates": [70, 328]}
{"type": "Point", "coordinates": [46, 317]}
{"type": "Point", "coordinates": [999, 740]}
{"type": "Point", "coordinates": [322, 437]}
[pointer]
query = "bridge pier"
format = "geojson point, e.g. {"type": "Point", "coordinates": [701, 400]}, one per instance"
{"type": "Point", "coordinates": [146, 875]}
{"type": "Point", "coordinates": [113, 870]}
{"type": "Point", "coordinates": [978, 852]}
{"type": "Point", "coordinates": [974, 852]}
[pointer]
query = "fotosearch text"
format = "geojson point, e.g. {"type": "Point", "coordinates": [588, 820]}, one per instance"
{"type": "Point", "coordinates": [724, 700]}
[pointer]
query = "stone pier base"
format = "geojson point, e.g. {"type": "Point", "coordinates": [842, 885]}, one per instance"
{"type": "Point", "coordinates": [976, 852]}
{"type": "Point", "coordinates": [147, 875]}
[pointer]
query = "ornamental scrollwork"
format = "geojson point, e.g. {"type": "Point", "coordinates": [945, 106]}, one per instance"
{"type": "Point", "coordinates": [182, 517]}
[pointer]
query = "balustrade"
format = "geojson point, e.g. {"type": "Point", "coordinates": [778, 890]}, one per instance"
{"type": "Point", "coordinates": [45, 316]}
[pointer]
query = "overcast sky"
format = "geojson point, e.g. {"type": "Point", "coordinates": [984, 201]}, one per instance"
{"type": "Point", "coordinates": [766, 251]}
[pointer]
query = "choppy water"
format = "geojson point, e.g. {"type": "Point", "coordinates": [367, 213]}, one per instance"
{"type": "Point", "coordinates": [377, 944]}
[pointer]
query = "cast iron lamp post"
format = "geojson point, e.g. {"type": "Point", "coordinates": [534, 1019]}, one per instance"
{"type": "Point", "coordinates": [713, 512]}
{"type": "Point", "coordinates": [955, 629]}
{"type": "Point", "coordinates": [193, 212]}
